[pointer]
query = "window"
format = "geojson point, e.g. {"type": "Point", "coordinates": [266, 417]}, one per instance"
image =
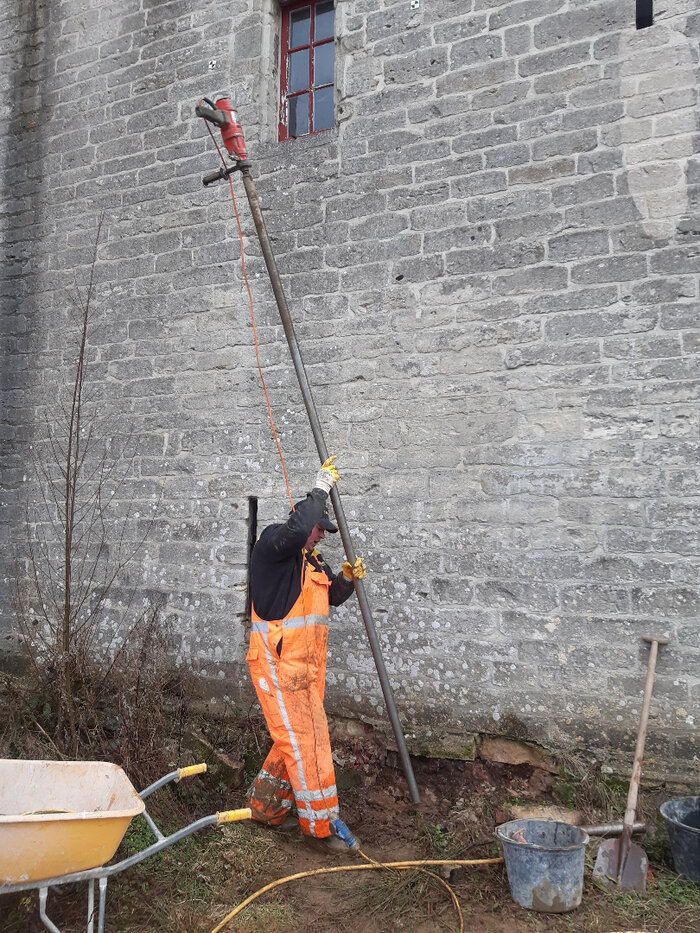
{"type": "Point", "coordinates": [307, 68]}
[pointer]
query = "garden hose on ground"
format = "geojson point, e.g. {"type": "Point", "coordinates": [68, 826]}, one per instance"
{"type": "Point", "coordinates": [418, 865]}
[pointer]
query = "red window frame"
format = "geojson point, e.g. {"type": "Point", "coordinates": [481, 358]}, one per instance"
{"type": "Point", "coordinates": [285, 53]}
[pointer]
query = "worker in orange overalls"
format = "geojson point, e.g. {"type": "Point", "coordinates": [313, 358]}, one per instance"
{"type": "Point", "coordinates": [292, 588]}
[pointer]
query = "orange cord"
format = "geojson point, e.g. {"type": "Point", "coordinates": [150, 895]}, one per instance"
{"type": "Point", "coordinates": [252, 317]}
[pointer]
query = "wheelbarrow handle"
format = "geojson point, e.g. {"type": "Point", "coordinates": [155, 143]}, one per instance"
{"type": "Point", "coordinates": [190, 770]}
{"type": "Point", "coordinates": [173, 776]}
{"type": "Point", "coordinates": [233, 816]}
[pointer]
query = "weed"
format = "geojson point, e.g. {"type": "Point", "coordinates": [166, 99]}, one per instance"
{"type": "Point", "coordinates": [439, 838]}
{"type": "Point", "coordinates": [404, 896]}
{"type": "Point", "coordinates": [185, 882]}
{"type": "Point", "coordinates": [434, 839]}
{"type": "Point", "coordinates": [677, 891]}
{"type": "Point", "coordinates": [582, 785]}
{"type": "Point", "coordinates": [269, 917]}
{"type": "Point", "coordinates": [249, 852]}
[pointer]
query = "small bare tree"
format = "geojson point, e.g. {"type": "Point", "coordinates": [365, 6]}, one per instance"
{"type": "Point", "coordinates": [76, 551]}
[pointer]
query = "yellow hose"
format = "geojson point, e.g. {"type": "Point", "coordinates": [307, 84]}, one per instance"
{"type": "Point", "coordinates": [409, 865]}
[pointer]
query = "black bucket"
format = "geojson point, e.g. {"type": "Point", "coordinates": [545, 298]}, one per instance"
{"type": "Point", "coordinates": [682, 818]}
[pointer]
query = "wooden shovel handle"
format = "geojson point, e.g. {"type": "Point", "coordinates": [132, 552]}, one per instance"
{"type": "Point", "coordinates": [633, 793]}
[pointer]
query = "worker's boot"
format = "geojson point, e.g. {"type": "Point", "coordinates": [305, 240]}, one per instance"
{"type": "Point", "coordinates": [288, 827]}
{"type": "Point", "coordinates": [334, 843]}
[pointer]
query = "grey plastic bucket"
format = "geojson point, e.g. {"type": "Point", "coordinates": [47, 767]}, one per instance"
{"type": "Point", "coordinates": [546, 871]}
{"type": "Point", "coordinates": [682, 818]}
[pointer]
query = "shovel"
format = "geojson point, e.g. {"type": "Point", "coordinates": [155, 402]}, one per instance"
{"type": "Point", "coordinates": [620, 860]}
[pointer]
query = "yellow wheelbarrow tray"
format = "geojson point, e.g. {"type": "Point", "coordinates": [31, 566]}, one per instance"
{"type": "Point", "coordinates": [62, 821]}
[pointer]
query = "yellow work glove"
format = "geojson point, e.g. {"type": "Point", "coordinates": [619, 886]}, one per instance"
{"type": "Point", "coordinates": [327, 476]}
{"type": "Point", "coordinates": [356, 572]}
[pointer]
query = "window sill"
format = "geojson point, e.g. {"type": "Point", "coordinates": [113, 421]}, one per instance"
{"type": "Point", "coordinates": [326, 139]}
{"type": "Point", "coordinates": [313, 139]}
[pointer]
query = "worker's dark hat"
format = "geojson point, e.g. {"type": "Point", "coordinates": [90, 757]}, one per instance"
{"type": "Point", "coordinates": [325, 519]}
{"type": "Point", "coordinates": [325, 522]}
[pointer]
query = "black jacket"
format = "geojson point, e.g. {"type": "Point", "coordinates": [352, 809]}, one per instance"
{"type": "Point", "coordinates": [277, 561]}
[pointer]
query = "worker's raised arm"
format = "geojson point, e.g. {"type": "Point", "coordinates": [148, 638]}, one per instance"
{"type": "Point", "coordinates": [280, 541]}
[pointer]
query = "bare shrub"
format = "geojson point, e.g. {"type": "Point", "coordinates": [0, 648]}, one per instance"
{"type": "Point", "coordinates": [97, 680]}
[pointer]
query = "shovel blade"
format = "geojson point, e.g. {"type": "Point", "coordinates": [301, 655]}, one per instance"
{"type": "Point", "coordinates": [634, 870]}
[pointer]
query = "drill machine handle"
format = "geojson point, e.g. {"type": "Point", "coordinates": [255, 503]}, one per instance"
{"type": "Point", "coordinates": [215, 116]}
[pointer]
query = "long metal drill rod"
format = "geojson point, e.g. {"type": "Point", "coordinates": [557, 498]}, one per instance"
{"type": "Point", "coordinates": [271, 264]}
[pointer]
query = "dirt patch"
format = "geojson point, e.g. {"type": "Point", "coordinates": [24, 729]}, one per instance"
{"type": "Point", "coordinates": [194, 884]}
{"type": "Point", "coordinates": [456, 818]}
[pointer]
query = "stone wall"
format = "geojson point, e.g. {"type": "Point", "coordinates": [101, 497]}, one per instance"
{"type": "Point", "coordinates": [492, 264]}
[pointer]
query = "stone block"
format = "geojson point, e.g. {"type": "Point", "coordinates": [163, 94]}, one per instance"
{"type": "Point", "coordinates": [428, 63]}
{"type": "Point", "coordinates": [578, 245]}
{"type": "Point", "coordinates": [221, 767]}
{"type": "Point", "coordinates": [518, 40]}
{"type": "Point", "coordinates": [555, 60]}
{"type": "Point", "coordinates": [609, 269]}
{"type": "Point", "coordinates": [539, 812]}
{"type": "Point", "coordinates": [478, 76]}
{"type": "Point", "coordinates": [507, 751]}
{"type": "Point", "coordinates": [560, 144]}
{"type": "Point", "coordinates": [539, 279]}
{"type": "Point", "coordinates": [437, 742]}
{"type": "Point", "coordinates": [572, 25]}
{"type": "Point", "coordinates": [514, 204]}
{"type": "Point", "coordinates": [522, 12]}
{"type": "Point", "coordinates": [506, 156]}
{"type": "Point", "coordinates": [545, 171]}
{"type": "Point", "coordinates": [475, 51]}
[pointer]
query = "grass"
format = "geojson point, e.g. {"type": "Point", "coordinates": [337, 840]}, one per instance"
{"type": "Point", "coordinates": [663, 893]}
{"type": "Point", "coordinates": [196, 882]}
{"type": "Point", "coordinates": [192, 885]}
{"type": "Point", "coordinates": [401, 898]}
{"type": "Point", "coordinates": [267, 917]}
{"type": "Point", "coordinates": [405, 899]}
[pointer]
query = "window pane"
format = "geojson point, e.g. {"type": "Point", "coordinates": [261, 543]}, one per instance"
{"type": "Point", "coordinates": [323, 27]}
{"type": "Point", "coordinates": [323, 64]}
{"type": "Point", "coordinates": [298, 71]}
{"type": "Point", "coordinates": [298, 115]}
{"type": "Point", "coordinates": [299, 27]}
{"type": "Point", "coordinates": [324, 117]}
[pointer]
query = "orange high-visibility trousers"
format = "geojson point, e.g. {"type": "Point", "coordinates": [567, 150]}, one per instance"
{"type": "Point", "coordinates": [290, 686]}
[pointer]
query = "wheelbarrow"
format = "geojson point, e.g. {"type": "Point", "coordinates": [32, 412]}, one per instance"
{"type": "Point", "coordinates": [62, 821]}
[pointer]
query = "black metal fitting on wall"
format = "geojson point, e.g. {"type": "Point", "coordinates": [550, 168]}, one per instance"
{"type": "Point", "coordinates": [645, 13]}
